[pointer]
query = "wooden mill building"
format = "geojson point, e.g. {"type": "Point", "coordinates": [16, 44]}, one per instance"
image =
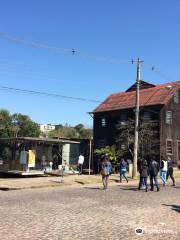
{"type": "Point", "coordinates": [158, 103]}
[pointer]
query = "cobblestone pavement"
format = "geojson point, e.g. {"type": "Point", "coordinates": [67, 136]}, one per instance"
{"type": "Point", "coordinates": [88, 212]}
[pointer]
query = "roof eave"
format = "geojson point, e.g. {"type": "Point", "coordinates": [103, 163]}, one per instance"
{"type": "Point", "coordinates": [127, 108]}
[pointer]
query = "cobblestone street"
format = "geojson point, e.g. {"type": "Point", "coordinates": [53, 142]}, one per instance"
{"type": "Point", "coordinates": [88, 212]}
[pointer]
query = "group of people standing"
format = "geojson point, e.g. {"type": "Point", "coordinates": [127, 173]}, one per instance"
{"type": "Point", "coordinates": [152, 169]}
{"type": "Point", "coordinates": [146, 169]}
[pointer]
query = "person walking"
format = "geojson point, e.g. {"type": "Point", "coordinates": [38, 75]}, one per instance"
{"type": "Point", "coordinates": [139, 165]}
{"type": "Point", "coordinates": [80, 163]}
{"type": "Point", "coordinates": [106, 169]}
{"type": "Point", "coordinates": [163, 171]}
{"type": "Point", "coordinates": [153, 171]}
{"type": "Point", "coordinates": [170, 163]}
{"type": "Point", "coordinates": [144, 173]}
{"type": "Point", "coordinates": [123, 169]}
{"type": "Point", "coordinates": [55, 161]}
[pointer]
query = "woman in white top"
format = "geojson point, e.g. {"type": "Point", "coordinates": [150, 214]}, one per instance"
{"type": "Point", "coordinates": [163, 171]}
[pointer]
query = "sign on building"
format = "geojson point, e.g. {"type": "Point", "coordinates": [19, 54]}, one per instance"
{"type": "Point", "coordinates": [23, 157]}
{"type": "Point", "coordinates": [31, 158]}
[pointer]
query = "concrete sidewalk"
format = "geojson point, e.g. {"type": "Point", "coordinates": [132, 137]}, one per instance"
{"type": "Point", "coordinates": [57, 181]}
{"type": "Point", "coordinates": [53, 181]}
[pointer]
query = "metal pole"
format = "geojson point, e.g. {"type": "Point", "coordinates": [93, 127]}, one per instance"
{"type": "Point", "coordinates": [134, 175]}
{"type": "Point", "coordinates": [89, 156]}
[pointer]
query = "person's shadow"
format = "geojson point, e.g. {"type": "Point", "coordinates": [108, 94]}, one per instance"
{"type": "Point", "coordinates": [129, 188]}
{"type": "Point", "coordinates": [173, 207]}
{"type": "Point", "coordinates": [94, 188]}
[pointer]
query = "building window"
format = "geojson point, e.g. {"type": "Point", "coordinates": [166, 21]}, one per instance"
{"type": "Point", "coordinates": [123, 123]}
{"type": "Point", "coordinates": [101, 143]}
{"type": "Point", "coordinates": [146, 116]}
{"type": "Point", "coordinates": [103, 122]}
{"type": "Point", "coordinates": [123, 119]}
{"type": "Point", "coordinates": [168, 117]}
{"type": "Point", "coordinates": [169, 147]}
{"type": "Point", "coordinates": [176, 97]}
{"type": "Point", "coordinates": [123, 146]}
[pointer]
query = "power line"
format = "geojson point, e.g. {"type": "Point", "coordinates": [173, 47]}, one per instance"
{"type": "Point", "coordinates": [58, 50]}
{"type": "Point", "coordinates": [47, 94]}
{"type": "Point", "coordinates": [157, 71]}
{"type": "Point", "coordinates": [33, 44]}
{"type": "Point", "coordinates": [76, 52]}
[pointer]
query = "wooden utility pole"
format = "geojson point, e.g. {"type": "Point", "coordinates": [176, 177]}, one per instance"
{"type": "Point", "coordinates": [90, 155]}
{"type": "Point", "coordinates": [136, 134]}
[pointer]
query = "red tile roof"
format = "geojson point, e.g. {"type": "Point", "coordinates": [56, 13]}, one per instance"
{"type": "Point", "coordinates": [158, 95]}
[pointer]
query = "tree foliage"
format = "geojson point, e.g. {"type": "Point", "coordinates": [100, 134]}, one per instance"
{"type": "Point", "coordinates": [148, 138]}
{"type": "Point", "coordinates": [5, 123]}
{"type": "Point", "coordinates": [125, 138]}
{"type": "Point", "coordinates": [25, 126]}
{"type": "Point", "coordinates": [17, 125]}
{"type": "Point", "coordinates": [109, 150]}
{"type": "Point", "coordinates": [67, 131]}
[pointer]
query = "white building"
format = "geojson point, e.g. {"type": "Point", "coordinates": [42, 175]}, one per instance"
{"type": "Point", "coordinates": [46, 127]}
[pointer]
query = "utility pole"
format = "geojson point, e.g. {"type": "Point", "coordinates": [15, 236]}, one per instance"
{"type": "Point", "coordinates": [136, 134]}
{"type": "Point", "coordinates": [90, 155]}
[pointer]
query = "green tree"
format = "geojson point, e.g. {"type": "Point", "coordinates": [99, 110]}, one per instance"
{"type": "Point", "coordinates": [86, 133]}
{"type": "Point", "coordinates": [109, 150]}
{"type": "Point", "coordinates": [149, 143]}
{"type": "Point", "coordinates": [59, 126]}
{"type": "Point", "coordinates": [17, 125]}
{"type": "Point", "coordinates": [5, 123]}
{"type": "Point", "coordinates": [125, 138]}
{"type": "Point", "coordinates": [79, 127]}
{"type": "Point", "coordinates": [83, 132]}
{"type": "Point", "coordinates": [25, 126]}
{"type": "Point", "coordinates": [63, 132]}
{"type": "Point", "coordinates": [148, 138]}
{"type": "Point", "coordinates": [67, 131]}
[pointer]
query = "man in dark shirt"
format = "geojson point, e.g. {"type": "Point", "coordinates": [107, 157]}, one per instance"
{"type": "Point", "coordinates": [144, 172]}
{"type": "Point", "coordinates": [153, 171]}
{"type": "Point", "coordinates": [170, 170]}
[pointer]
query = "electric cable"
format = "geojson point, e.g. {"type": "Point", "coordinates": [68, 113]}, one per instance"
{"type": "Point", "coordinates": [47, 94]}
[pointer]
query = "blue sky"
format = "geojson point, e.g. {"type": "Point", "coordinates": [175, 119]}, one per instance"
{"type": "Point", "coordinates": [115, 29]}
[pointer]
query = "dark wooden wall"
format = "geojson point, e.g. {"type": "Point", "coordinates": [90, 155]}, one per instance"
{"type": "Point", "coordinates": [109, 132]}
{"type": "Point", "coordinates": [171, 131]}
